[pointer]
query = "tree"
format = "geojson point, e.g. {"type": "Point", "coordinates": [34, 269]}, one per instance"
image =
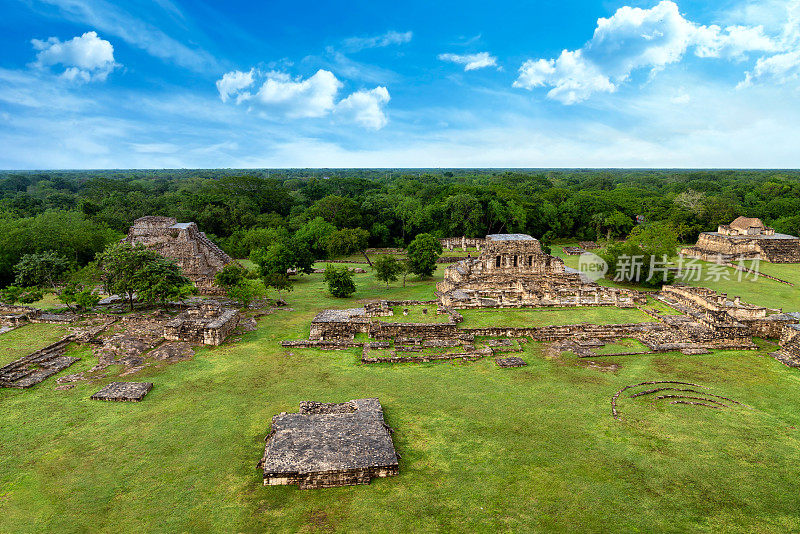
{"type": "Point", "coordinates": [642, 259]}
{"type": "Point", "coordinates": [43, 269]}
{"type": "Point", "coordinates": [314, 235]}
{"type": "Point", "coordinates": [282, 256]}
{"type": "Point", "coordinates": [280, 282]}
{"type": "Point", "coordinates": [617, 224]}
{"type": "Point", "coordinates": [245, 291]}
{"type": "Point", "coordinates": [231, 275]}
{"type": "Point", "coordinates": [423, 252]}
{"type": "Point", "coordinates": [387, 268]}
{"type": "Point", "coordinates": [347, 241]}
{"type": "Point", "coordinates": [25, 295]}
{"type": "Point", "coordinates": [78, 297]}
{"type": "Point", "coordinates": [160, 280]}
{"type": "Point", "coordinates": [127, 270]}
{"type": "Point", "coordinates": [340, 281]}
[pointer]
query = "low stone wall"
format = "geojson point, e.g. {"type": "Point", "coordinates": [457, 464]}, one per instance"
{"type": "Point", "coordinates": [470, 356]}
{"type": "Point", "coordinates": [560, 332]}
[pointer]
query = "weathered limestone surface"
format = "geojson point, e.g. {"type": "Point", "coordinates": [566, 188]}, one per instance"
{"type": "Point", "coordinates": [327, 445]}
{"type": "Point", "coordinates": [123, 391]}
{"type": "Point", "coordinates": [511, 361]}
{"type": "Point", "coordinates": [197, 256]}
{"type": "Point", "coordinates": [744, 239]}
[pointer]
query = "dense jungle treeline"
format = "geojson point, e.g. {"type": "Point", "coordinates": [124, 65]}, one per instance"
{"type": "Point", "coordinates": [337, 211]}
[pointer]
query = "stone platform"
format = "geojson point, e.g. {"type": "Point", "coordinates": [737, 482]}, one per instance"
{"type": "Point", "coordinates": [328, 445]}
{"type": "Point", "coordinates": [511, 361]}
{"type": "Point", "coordinates": [123, 391]}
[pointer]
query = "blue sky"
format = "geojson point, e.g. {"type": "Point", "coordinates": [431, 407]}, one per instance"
{"type": "Point", "coordinates": [165, 83]}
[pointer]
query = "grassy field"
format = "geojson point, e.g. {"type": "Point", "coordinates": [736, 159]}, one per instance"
{"type": "Point", "coordinates": [483, 449]}
{"type": "Point", "coordinates": [529, 317]}
{"type": "Point", "coordinates": [415, 315]}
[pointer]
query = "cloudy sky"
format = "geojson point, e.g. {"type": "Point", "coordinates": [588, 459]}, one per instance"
{"type": "Point", "coordinates": [169, 83]}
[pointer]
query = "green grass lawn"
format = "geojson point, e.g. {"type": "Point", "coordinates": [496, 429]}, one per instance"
{"type": "Point", "coordinates": [530, 317]}
{"type": "Point", "coordinates": [27, 339]}
{"type": "Point", "coordinates": [415, 315]}
{"type": "Point", "coordinates": [623, 345]}
{"type": "Point", "coordinates": [484, 449]}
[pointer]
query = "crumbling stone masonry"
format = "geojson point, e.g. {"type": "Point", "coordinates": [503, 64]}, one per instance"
{"type": "Point", "coordinates": [38, 366]}
{"type": "Point", "coordinates": [512, 271]}
{"type": "Point", "coordinates": [209, 324]}
{"type": "Point", "coordinates": [744, 239]}
{"type": "Point", "coordinates": [197, 256]}
{"type": "Point", "coordinates": [789, 351]}
{"type": "Point", "coordinates": [463, 242]}
{"type": "Point", "coordinates": [327, 445]}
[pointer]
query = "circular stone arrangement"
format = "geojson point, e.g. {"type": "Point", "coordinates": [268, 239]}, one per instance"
{"type": "Point", "coordinates": [668, 390]}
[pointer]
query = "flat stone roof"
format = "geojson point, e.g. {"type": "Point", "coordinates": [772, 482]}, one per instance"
{"type": "Point", "coordinates": [347, 436]}
{"type": "Point", "coordinates": [181, 226]}
{"type": "Point", "coordinates": [766, 237]}
{"type": "Point", "coordinates": [338, 316]}
{"type": "Point", "coordinates": [509, 237]}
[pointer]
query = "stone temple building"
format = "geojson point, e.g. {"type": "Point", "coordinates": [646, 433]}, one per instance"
{"type": "Point", "coordinates": [197, 256]}
{"type": "Point", "coordinates": [746, 238]}
{"type": "Point", "coordinates": [513, 271]}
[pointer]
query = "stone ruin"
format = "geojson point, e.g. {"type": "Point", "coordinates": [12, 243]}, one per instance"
{"type": "Point", "coordinates": [673, 393]}
{"type": "Point", "coordinates": [14, 316]}
{"type": "Point", "coordinates": [38, 366]}
{"type": "Point", "coordinates": [705, 320]}
{"type": "Point", "coordinates": [512, 271]}
{"type": "Point", "coordinates": [197, 256]}
{"type": "Point", "coordinates": [209, 324]}
{"type": "Point", "coordinates": [463, 242]}
{"type": "Point", "coordinates": [329, 444]}
{"type": "Point", "coordinates": [123, 392]}
{"type": "Point", "coordinates": [789, 351]}
{"type": "Point", "coordinates": [745, 239]}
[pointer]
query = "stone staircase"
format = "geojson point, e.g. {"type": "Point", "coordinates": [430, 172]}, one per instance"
{"type": "Point", "coordinates": [789, 353]}
{"type": "Point", "coordinates": [213, 248]}
{"type": "Point", "coordinates": [780, 250]}
{"type": "Point", "coordinates": [36, 367]}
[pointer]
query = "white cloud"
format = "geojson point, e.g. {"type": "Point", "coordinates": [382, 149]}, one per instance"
{"type": "Point", "coordinates": [233, 83]}
{"type": "Point", "coordinates": [112, 18]}
{"type": "Point", "coordinates": [471, 61]}
{"type": "Point", "coordinates": [298, 98]}
{"type": "Point", "coordinates": [784, 66]}
{"type": "Point", "coordinates": [85, 58]}
{"type": "Point", "coordinates": [779, 68]}
{"type": "Point", "coordinates": [632, 39]}
{"type": "Point", "coordinates": [365, 108]}
{"type": "Point", "coordinates": [354, 44]}
{"type": "Point", "coordinates": [282, 97]}
{"type": "Point", "coordinates": [572, 78]}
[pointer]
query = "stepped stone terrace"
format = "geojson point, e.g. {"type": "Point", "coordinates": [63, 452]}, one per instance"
{"type": "Point", "coordinates": [745, 239]}
{"type": "Point", "coordinates": [199, 258]}
{"type": "Point", "coordinates": [328, 445]}
{"type": "Point", "coordinates": [513, 271]}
